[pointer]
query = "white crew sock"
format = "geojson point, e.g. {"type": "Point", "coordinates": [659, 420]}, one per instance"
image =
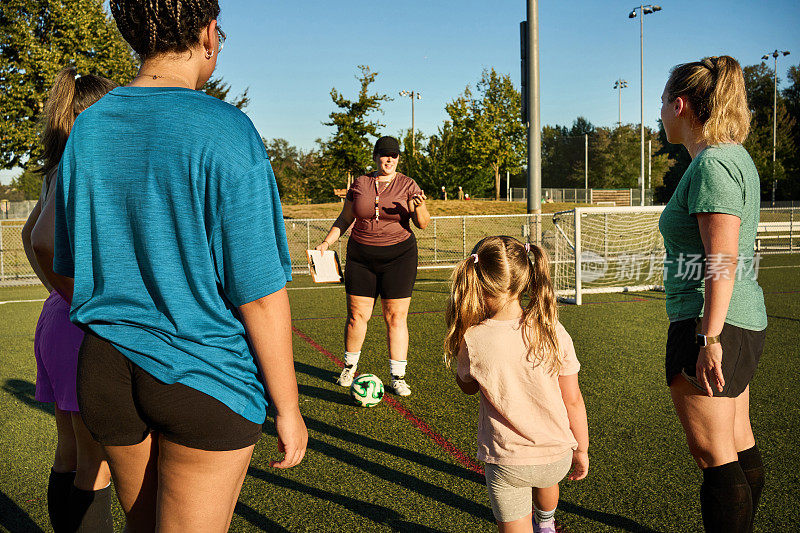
{"type": "Point", "coordinates": [543, 516]}
{"type": "Point", "coordinates": [397, 368]}
{"type": "Point", "coordinates": [351, 358]}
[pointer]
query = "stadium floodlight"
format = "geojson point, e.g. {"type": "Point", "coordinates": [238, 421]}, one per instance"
{"type": "Point", "coordinates": [776, 54]}
{"type": "Point", "coordinates": [619, 85]}
{"type": "Point", "coordinates": [414, 95]}
{"type": "Point", "coordinates": [643, 10]}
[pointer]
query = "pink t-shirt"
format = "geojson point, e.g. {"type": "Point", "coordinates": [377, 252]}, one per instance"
{"type": "Point", "coordinates": [393, 224]}
{"type": "Point", "coordinates": [522, 418]}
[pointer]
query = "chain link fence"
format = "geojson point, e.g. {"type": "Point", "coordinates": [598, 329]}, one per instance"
{"type": "Point", "coordinates": [14, 266]}
{"type": "Point", "coordinates": [608, 197]}
{"type": "Point", "coordinates": [443, 243]}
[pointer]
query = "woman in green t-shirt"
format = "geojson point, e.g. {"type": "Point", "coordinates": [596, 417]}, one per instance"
{"type": "Point", "coordinates": [715, 306]}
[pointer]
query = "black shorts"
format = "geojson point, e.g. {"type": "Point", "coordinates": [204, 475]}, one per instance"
{"type": "Point", "coordinates": [388, 271]}
{"type": "Point", "coordinates": [121, 404]}
{"type": "Point", "coordinates": [741, 350]}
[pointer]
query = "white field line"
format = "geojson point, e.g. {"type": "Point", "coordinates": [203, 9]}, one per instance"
{"type": "Point", "coordinates": [337, 286]}
{"type": "Point", "coordinates": [340, 286]}
{"type": "Point", "coordinates": [21, 301]}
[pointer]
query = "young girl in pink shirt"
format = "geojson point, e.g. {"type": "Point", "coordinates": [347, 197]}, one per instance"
{"type": "Point", "coordinates": [532, 425]}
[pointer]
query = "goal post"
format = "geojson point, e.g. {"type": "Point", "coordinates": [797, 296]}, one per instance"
{"type": "Point", "coordinates": [607, 249]}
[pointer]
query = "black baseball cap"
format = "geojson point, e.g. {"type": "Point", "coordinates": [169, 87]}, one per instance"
{"type": "Point", "coordinates": [386, 146]}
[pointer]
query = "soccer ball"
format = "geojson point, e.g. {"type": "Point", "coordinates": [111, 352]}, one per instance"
{"type": "Point", "coordinates": [367, 390]}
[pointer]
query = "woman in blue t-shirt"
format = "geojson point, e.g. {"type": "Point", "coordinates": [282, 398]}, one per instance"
{"type": "Point", "coordinates": [715, 306]}
{"type": "Point", "coordinates": [168, 219]}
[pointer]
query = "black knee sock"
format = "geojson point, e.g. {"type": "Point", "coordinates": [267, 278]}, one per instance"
{"type": "Point", "coordinates": [753, 468]}
{"type": "Point", "coordinates": [725, 499]}
{"type": "Point", "coordinates": [90, 510]}
{"type": "Point", "coordinates": [58, 488]}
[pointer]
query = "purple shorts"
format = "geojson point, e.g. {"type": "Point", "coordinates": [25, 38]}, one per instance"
{"type": "Point", "coordinates": [56, 346]}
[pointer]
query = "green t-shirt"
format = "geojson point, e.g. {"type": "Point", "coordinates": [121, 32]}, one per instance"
{"type": "Point", "coordinates": [721, 179]}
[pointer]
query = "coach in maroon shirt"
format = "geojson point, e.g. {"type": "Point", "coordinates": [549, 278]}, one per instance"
{"type": "Point", "coordinates": [381, 258]}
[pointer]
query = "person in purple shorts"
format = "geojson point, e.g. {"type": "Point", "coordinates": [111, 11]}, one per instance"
{"type": "Point", "coordinates": [78, 492]}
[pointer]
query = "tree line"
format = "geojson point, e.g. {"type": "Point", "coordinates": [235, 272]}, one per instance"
{"type": "Point", "coordinates": [482, 140]}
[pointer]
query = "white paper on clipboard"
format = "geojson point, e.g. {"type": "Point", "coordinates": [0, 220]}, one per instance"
{"type": "Point", "coordinates": [324, 266]}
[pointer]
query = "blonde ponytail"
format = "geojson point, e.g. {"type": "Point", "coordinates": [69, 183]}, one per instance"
{"type": "Point", "coordinates": [714, 88]}
{"type": "Point", "coordinates": [730, 115]}
{"type": "Point", "coordinates": [58, 117]}
{"type": "Point", "coordinates": [540, 316]}
{"type": "Point", "coordinates": [465, 306]}
{"type": "Point", "coordinates": [69, 96]}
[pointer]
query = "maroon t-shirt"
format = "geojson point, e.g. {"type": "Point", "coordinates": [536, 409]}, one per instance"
{"type": "Point", "coordinates": [393, 224]}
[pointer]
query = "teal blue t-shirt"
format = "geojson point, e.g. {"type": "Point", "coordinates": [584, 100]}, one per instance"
{"type": "Point", "coordinates": [721, 179]}
{"type": "Point", "coordinates": [168, 218]}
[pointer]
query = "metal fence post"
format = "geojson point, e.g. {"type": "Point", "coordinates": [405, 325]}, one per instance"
{"type": "Point", "coordinates": [2, 263]}
{"type": "Point", "coordinates": [435, 244]}
{"type": "Point", "coordinates": [578, 282]}
{"type": "Point", "coordinates": [463, 237]}
{"type": "Point", "coordinates": [791, 229]}
{"type": "Point", "coordinates": [308, 240]}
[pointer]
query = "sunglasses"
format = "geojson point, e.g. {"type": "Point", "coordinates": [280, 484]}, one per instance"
{"type": "Point", "coordinates": [220, 38]}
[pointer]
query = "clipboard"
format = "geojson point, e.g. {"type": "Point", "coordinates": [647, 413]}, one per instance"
{"type": "Point", "coordinates": [324, 266]}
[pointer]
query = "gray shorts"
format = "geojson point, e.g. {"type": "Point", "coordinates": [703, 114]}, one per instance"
{"type": "Point", "coordinates": [511, 486]}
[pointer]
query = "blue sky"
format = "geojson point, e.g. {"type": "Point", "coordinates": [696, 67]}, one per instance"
{"type": "Point", "coordinates": [291, 53]}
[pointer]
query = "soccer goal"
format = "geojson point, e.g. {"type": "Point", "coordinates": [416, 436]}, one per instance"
{"type": "Point", "coordinates": [607, 249]}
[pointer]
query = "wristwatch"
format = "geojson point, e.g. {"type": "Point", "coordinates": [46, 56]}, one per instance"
{"type": "Point", "coordinates": [705, 340]}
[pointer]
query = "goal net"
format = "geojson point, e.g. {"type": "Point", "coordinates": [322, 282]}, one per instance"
{"type": "Point", "coordinates": [607, 249]}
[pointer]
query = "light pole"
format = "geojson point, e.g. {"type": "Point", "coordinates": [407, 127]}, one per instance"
{"type": "Point", "coordinates": [619, 85]}
{"type": "Point", "coordinates": [530, 65]}
{"type": "Point", "coordinates": [765, 57]}
{"type": "Point", "coordinates": [643, 10]}
{"type": "Point", "coordinates": [414, 95]}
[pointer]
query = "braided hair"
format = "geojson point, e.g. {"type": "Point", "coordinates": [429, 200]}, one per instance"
{"type": "Point", "coordinates": [154, 27]}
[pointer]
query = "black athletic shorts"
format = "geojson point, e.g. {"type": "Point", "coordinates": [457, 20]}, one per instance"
{"type": "Point", "coordinates": [741, 350]}
{"type": "Point", "coordinates": [388, 271]}
{"type": "Point", "coordinates": [121, 404]}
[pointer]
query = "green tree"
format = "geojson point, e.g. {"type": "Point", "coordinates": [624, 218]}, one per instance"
{"type": "Point", "coordinates": [791, 94]}
{"type": "Point", "coordinates": [295, 171]}
{"type": "Point", "coordinates": [29, 184]}
{"type": "Point", "coordinates": [437, 163]}
{"type": "Point", "coordinates": [759, 83]}
{"type": "Point", "coordinates": [39, 38]}
{"type": "Point", "coordinates": [348, 152]}
{"type": "Point", "coordinates": [490, 126]}
{"type": "Point", "coordinates": [217, 88]}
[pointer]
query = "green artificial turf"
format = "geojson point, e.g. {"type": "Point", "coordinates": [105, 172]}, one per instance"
{"type": "Point", "coordinates": [371, 470]}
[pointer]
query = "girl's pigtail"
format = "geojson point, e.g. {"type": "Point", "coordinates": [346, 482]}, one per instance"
{"type": "Point", "coordinates": [464, 307]}
{"type": "Point", "coordinates": [541, 313]}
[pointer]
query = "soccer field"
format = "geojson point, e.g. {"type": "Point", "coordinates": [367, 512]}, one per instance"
{"type": "Point", "coordinates": [408, 464]}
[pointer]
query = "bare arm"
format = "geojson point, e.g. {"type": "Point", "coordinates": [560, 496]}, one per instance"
{"type": "Point", "coordinates": [27, 230]}
{"type": "Point", "coordinates": [720, 235]}
{"type": "Point", "coordinates": [419, 211]}
{"type": "Point", "coordinates": [42, 239]}
{"type": "Point", "coordinates": [268, 324]}
{"type": "Point", "coordinates": [576, 412]}
{"type": "Point", "coordinates": [344, 221]}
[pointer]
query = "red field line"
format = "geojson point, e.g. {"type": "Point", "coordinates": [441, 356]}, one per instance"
{"type": "Point", "coordinates": [406, 413]}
